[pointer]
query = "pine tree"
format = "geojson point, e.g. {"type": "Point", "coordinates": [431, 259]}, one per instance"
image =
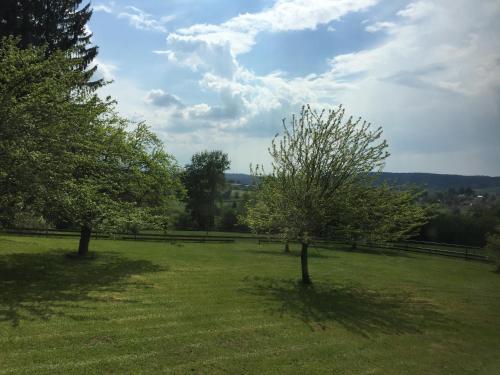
{"type": "Point", "coordinates": [58, 24]}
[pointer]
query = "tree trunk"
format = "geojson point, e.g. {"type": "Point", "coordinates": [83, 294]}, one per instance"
{"type": "Point", "coordinates": [83, 247]}
{"type": "Point", "coordinates": [287, 247]}
{"type": "Point", "coordinates": [303, 260]}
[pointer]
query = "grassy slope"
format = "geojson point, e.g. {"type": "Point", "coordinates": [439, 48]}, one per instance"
{"type": "Point", "coordinates": [143, 307]}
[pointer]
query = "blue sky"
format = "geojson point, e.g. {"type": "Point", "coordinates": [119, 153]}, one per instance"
{"type": "Point", "coordinates": [207, 74]}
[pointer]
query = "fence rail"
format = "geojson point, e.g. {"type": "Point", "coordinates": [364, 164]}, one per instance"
{"type": "Point", "coordinates": [433, 248]}
{"type": "Point", "coordinates": [449, 250]}
{"type": "Point", "coordinates": [121, 236]}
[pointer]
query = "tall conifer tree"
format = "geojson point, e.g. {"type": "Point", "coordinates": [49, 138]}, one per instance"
{"type": "Point", "coordinates": [58, 24]}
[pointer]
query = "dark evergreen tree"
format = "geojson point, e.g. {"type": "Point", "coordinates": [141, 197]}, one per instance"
{"type": "Point", "coordinates": [58, 24]}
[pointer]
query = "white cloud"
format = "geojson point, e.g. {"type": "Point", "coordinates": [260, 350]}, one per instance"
{"type": "Point", "coordinates": [102, 8]}
{"type": "Point", "coordinates": [86, 29]}
{"type": "Point", "coordinates": [285, 15]}
{"type": "Point", "coordinates": [144, 21]}
{"type": "Point", "coordinates": [433, 83]}
{"type": "Point", "coordinates": [378, 26]}
{"type": "Point", "coordinates": [417, 10]}
{"type": "Point", "coordinates": [105, 70]}
{"type": "Point", "coordinates": [199, 55]}
{"type": "Point", "coordinates": [203, 46]}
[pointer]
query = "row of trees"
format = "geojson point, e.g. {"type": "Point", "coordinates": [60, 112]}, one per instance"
{"type": "Point", "coordinates": [468, 227]}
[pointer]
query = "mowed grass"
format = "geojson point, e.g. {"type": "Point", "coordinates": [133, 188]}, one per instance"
{"type": "Point", "coordinates": [151, 308]}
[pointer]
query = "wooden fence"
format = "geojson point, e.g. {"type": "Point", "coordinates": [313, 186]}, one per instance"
{"type": "Point", "coordinates": [433, 248]}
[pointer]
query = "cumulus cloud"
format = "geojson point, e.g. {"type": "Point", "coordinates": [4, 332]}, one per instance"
{"type": "Point", "coordinates": [199, 55]}
{"type": "Point", "coordinates": [432, 82]}
{"type": "Point", "coordinates": [160, 98]}
{"type": "Point", "coordinates": [285, 15]}
{"type": "Point", "coordinates": [215, 47]}
{"type": "Point", "coordinates": [445, 51]}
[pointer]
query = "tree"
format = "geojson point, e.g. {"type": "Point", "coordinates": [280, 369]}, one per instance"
{"type": "Point", "coordinates": [40, 111]}
{"type": "Point", "coordinates": [70, 156]}
{"type": "Point", "coordinates": [493, 247]}
{"type": "Point", "coordinates": [204, 179]}
{"type": "Point", "coordinates": [126, 177]}
{"type": "Point", "coordinates": [261, 215]}
{"type": "Point", "coordinates": [316, 158]}
{"type": "Point", "coordinates": [379, 213]}
{"type": "Point", "coordinates": [56, 24]}
{"type": "Point", "coordinates": [468, 227]}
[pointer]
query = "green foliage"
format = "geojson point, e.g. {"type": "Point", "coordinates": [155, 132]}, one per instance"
{"type": "Point", "coordinates": [227, 220]}
{"type": "Point", "coordinates": [129, 179]}
{"type": "Point", "coordinates": [204, 180]}
{"type": "Point", "coordinates": [379, 213]}
{"type": "Point", "coordinates": [28, 220]}
{"type": "Point", "coordinates": [260, 216]}
{"type": "Point", "coordinates": [467, 227]}
{"type": "Point", "coordinates": [316, 161]}
{"type": "Point", "coordinates": [68, 155]}
{"type": "Point", "coordinates": [316, 158]}
{"type": "Point", "coordinates": [322, 185]}
{"type": "Point", "coordinates": [42, 111]}
{"type": "Point", "coordinates": [493, 247]}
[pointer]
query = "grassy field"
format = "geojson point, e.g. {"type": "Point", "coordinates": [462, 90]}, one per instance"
{"type": "Point", "coordinates": [150, 308]}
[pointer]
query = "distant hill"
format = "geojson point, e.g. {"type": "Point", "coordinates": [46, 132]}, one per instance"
{"type": "Point", "coordinates": [433, 181]}
{"type": "Point", "coordinates": [430, 181]}
{"type": "Point", "coordinates": [239, 178]}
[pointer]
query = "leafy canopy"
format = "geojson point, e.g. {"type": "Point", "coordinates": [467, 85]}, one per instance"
{"type": "Point", "coordinates": [67, 154]}
{"type": "Point", "coordinates": [204, 178]}
{"type": "Point", "coordinates": [317, 158]}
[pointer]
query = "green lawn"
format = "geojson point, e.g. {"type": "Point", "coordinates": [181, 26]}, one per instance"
{"type": "Point", "coordinates": [151, 308]}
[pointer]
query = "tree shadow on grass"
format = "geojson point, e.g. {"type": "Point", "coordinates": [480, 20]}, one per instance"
{"type": "Point", "coordinates": [361, 311]}
{"type": "Point", "coordinates": [41, 285]}
{"type": "Point", "coordinates": [326, 251]}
